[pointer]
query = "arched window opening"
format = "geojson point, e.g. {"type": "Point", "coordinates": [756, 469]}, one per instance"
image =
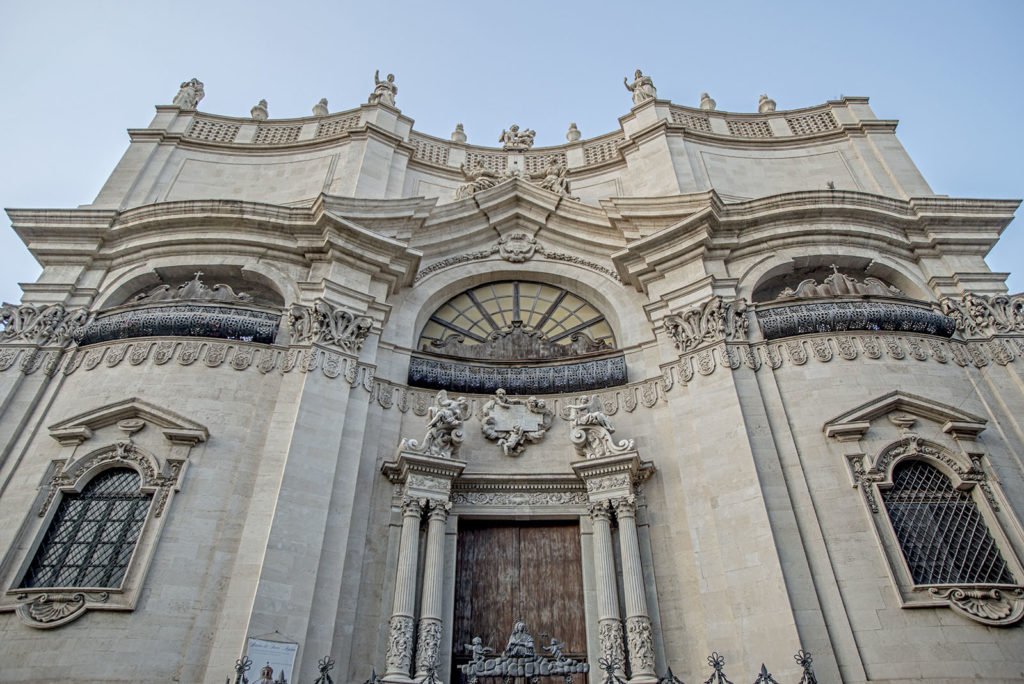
{"type": "Point", "coordinates": [516, 320]}
{"type": "Point", "coordinates": [93, 534]}
{"type": "Point", "coordinates": [523, 337]}
{"type": "Point", "coordinates": [940, 530]}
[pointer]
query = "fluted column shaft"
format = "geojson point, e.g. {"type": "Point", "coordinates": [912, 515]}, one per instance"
{"type": "Point", "coordinates": [609, 625]}
{"type": "Point", "coordinates": [638, 621]}
{"type": "Point", "coordinates": [400, 642]}
{"type": "Point", "coordinates": [428, 648]}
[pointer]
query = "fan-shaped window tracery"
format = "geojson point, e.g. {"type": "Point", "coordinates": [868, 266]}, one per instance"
{"type": "Point", "coordinates": [513, 320]}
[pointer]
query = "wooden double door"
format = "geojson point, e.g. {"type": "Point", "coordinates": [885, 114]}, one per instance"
{"type": "Point", "coordinates": [509, 571]}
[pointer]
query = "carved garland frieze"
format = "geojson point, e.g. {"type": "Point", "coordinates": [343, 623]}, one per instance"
{"type": "Point", "coordinates": [520, 498]}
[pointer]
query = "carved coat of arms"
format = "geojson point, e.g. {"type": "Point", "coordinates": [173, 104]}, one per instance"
{"type": "Point", "coordinates": [515, 423]}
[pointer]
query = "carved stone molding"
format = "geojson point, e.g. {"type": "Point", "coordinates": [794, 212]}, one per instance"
{"type": "Point", "coordinates": [517, 248]}
{"type": "Point", "coordinates": [711, 321]}
{"type": "Point", "coordinates": [519, 498]}
{"type": "Point", "coordinates": [429, 645]}
{"type": "Point", "coordinates": [848, 346]}
{"type": "Point", "coordinates": [515, 423]}
{"type": "Point", "coordinates": [983, 316]}
{"type": "Point", "coordinates": [839, 285]}
{"type": "Point", "coordinates": [514, 343]}
{"type": "Point", "coordinates": [609, 634]}
{"type": "Point", "coordinates": [51, 325]}
{"type": "Point", "coordinates": [56, 607]}
{"type": "Point", "coordinates": [999, 607]}
{"type": "Point", "coordinates": [641, 644]}
{"type": "Point", "coordinates": [400, 644]}
{"type": "Point", "coordinates": [328, 324]}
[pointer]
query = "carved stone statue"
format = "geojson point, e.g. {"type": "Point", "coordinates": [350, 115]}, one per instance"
{"type": "Point", "coordinates": [520, 642]}
{"type": "Point", "coordinates": [555, 649]}
{"type": "Point", "coordinates": [384, 92]}
{"type": "Point", "coordinates": [591, 431]}
{"type": "Point", "coordinates": [189, 95]}
{"type": "Point", "coordinates": [259, 112]}
{"type": "Point", "coordinates": [320, 108]}
{"type": "Point", "coordinates": [573, 133]}
{"type": "Point", "coordinates": [765, 104]}
{"type": "Point", "coordinates": [444, 429]}
{"type": "Point", "coordinates": [706, 102]}
{"type": "Point", "coordinates": [553, 178]}
{"type": "Point", "coordinates": [477, 178]}
{"type": "Point", "coordinates": [642, 88]}
{"type": "Point", "coordinates": [459, 134]}
{"type": "Point", "coordinates": [512, 139]}
{"type": "Point", "coordinates": [478, 652]}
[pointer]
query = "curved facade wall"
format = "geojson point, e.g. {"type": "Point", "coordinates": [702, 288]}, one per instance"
{"type": "Point", "coordinates": [728, 494]}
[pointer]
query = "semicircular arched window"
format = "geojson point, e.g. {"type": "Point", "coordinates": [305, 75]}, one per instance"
{"type": "Point", "coordinates": [524, 337]}
{"type": "Point", "coordinates": [516, 320]}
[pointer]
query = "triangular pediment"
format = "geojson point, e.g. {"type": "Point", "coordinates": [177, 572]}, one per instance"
{"type": "Point", "coordinates": [175, 428]}
{"type": "Point", "coordinates": [952, 418]}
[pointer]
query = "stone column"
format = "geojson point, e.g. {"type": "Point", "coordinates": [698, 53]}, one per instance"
{"type": "Point", "coordinates": [638, 622]}
{"type": "Point", "coordinates": [428, 647]}
{"type": "Point", "coordinates": [400, 640]}
{"type": "Point", "coordinates": [608, 624]}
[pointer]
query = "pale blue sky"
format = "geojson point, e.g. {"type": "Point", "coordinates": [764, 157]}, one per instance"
{"type": "Point", "coordinates": [77, 74]}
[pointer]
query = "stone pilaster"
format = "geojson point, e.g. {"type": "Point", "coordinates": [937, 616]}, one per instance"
{"type": "Point", "coordinates": [638, 622]}
{"type": "Point", "coordinates": [609, 624]}
{"type": "Point", "coordinates": [429, 646]}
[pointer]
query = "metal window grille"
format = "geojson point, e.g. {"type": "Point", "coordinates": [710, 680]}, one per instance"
{"type": "Point", "coordinates": [93, 534]}
{"type": "Point", "coordinates": [940, 530]}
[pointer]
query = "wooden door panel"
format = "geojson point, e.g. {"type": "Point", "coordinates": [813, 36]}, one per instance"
{"type": "Point", "coordinates": [511, 571]}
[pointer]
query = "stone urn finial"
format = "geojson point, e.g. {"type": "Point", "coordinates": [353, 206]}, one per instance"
{"type": "Point", "coordinates": [707, 102]}
{"type": "Point", "coordinates": [459, 134]}
{"type": "Point", "coordinates": [573, 134]}
{"type": "Point", "coordinates": [765, 104]}
{"type": "Point", "coordinates": [320, 108]}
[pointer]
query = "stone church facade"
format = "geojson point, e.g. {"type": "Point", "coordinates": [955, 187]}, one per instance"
{"type": "Point", "coordinates": [701, 393]}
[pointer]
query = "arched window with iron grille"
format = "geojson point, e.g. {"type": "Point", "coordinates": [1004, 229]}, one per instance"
{"type": "Point", "coordinates": [941, 532]}
{"type": "Point", "coordinates": [93, 534]}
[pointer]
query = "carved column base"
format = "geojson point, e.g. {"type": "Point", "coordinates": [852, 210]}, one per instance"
{"type": "Point", "coordinates": [400, 642]}
{"type": "Point", "coordinates": [428, 647]}
{"type": "Point", "coordinates": [641, 650]}
{"type": "Point", "coordinates": [609, 632]}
